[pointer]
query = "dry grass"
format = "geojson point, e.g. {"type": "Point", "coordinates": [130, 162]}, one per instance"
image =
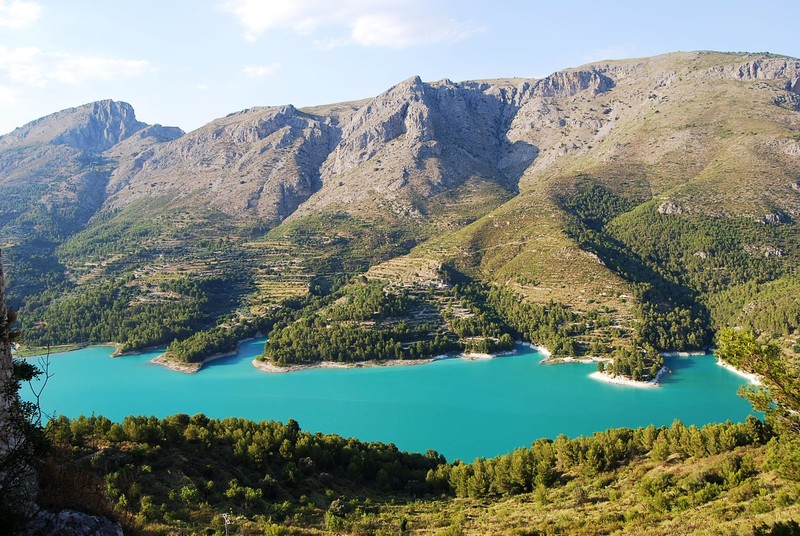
{"type": "Point", "coordinates": [609, 503]}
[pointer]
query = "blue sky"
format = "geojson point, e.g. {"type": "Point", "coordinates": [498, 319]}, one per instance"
{"type": "Point", "coordinates": [185, 62]}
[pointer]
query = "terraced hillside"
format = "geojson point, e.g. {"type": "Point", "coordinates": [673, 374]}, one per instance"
{"type": "Point", "coordinates": [659, 194]}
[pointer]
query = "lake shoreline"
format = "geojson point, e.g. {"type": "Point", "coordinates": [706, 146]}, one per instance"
{"type": "Point", "coordinates": [25, 352]}
{"type": "Point", "coordinates": [754, 379]}
{"type": "Point", "coordinates": [268, 367]}
{"type": "Point", "coordinates": [189, 368]}
{"type": "Point", "coordinates": [141, 351]}
{"type": "Point", "coordinates": [655, 382]}
{"type": "Point", "coordinates": [575, 360]}
{"type": "Point", "coordinates": [693, 353]}
{"type": "Point", "coordinates": [193, 368]}
{"type": "Point", "coordinates": [469, 407]}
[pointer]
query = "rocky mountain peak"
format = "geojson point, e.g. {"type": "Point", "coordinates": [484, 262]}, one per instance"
{"type": "Point", "coordinates": [260, 161]}
{"type": "Point", "coordinates": [410, 143]}
{"type": "Point", "coordinates": [93, 127]}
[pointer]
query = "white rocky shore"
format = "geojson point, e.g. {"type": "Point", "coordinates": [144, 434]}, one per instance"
{"type": "Point", "coordinates": [541, 349]}
{"type": "Point", "coordinates": [684, 354]}
{"type": "Point", "coordinates": [621, 380]}
{"type": "Point", "coordinates": [752, 378]}
{"type": "Point", "coordinates": [266, 366]}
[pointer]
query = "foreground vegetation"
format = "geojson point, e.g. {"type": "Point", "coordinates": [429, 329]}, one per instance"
{"type": "Point", "coordinates": [183, 473]}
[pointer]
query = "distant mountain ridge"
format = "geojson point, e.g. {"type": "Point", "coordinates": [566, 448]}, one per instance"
{"type": "Point", "coordinates": [269, 161]}
{"type": "Point", "coordinates": [542, 186]}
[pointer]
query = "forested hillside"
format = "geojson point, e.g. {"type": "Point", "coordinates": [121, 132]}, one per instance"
{"type": "Point", "coordinates": [649, 202]}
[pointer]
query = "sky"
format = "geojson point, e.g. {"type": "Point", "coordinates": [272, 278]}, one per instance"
{"type": "Point", "coordinates": [185, 62]}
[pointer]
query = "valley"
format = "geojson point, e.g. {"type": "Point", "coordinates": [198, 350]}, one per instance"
{"type": "Point", "coordinates": [615, 212]}
{"type": "Point", "coordinates": [620, 191]}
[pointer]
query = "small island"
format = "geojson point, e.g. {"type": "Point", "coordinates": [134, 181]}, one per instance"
{"type": "Point", "coordinates": [189, 367]}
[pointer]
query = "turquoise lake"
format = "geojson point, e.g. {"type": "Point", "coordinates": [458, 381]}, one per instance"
{"type": "Point", "coordinates": [461, 408]}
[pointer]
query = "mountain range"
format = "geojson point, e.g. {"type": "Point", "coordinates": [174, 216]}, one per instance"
{"type": "Point", "coordinates": [661, 194]}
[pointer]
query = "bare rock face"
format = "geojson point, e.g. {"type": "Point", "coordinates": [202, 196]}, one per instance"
{"type": "Point", "coordinates": [568, 83]}
{"type": "Point", "coordinates": [70, 523]}
{"type": "Point", "coordinates": [412, 141]}
{"type": "Point", "coordinates": [142, 140]}
{"type": "Point", "coordinates": [765, 251]}
{"type": "Point", "coordinates": [54, 168]}
{"type": "Point", "coordinates": [669, 207]}
{"type": "Point", "coordinates": [91, 128]}
{"type": "Point", "coordinates": [386, 118]}
{"type": "Point", "coordinates": [773, 218]}
{"type": "Point", "coordinates": [769, 68]}
{"type": "Point", "coordinates": [418, 139]}
{"type": "Point", "coordinates": [18, 481]}
{"type": "Point", "coordinates": [263, 162]}
{"type": "Point", "coordinates": [401, 148]}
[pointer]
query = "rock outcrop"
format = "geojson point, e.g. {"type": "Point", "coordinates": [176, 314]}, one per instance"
{"type": "Point", "coordinates": [53, 171]}
{"type": "Point", "coordinates": [91, 128]}
{"type": "Point", "coordinates": [398, 149]}
{"type": "Point", "coordinates": [70, 523]}
{"type": "Point", "coordinates": [261, 162]}
{"type": "Point", "coordinates": [761, 68]}
{"type": "Point", "coordinates": [7, 438]}
{"type": "Point", "coordinates": [669, 207]}
{"type": "Point", "coordinates": [18, 483]}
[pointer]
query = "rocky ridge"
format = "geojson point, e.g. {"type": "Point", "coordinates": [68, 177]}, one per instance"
{"type": "Point", "coordinates": [481, 168]}
{"type": "Point", "coordinates": [56, 167]}
{"type": "Point", "coordinates": [261, 162]}
{"type": "Point", "coordinates": [407, 144]}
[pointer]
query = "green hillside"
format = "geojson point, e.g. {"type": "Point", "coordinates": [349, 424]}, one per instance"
{"type": "Point", "coordinates": [659, 194]}
{"type": "Point", "coordinates": [616, 210]}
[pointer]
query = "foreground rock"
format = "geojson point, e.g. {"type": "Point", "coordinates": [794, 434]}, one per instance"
{"type": "Point", "coordinates": [70, 523]}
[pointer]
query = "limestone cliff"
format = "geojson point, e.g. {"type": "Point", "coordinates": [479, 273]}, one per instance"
{"type": "Point", "coordinates": [711, 133]}
{"type": "Point", "coordinates": [53, 171]}
{"type": "Point", "coordinates": [260, 162]}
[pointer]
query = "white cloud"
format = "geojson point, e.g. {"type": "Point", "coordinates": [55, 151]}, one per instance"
{"type": "Point", "coordinates": [389, 31]}
{"type": "Point", "coordinates": [260, 71]}
{"type": "Point", "coordinates": [8, 95]}
{"type": "Point", "coordinates": [330, 44]}
{"type": "Point", "coordinates": [371, 23]}
{"type": "Point", "coordinates": [201, 87]}
{"type": "Point", "coordinates": [32, 66]}
{"type": "Point", "coordinates": [19, 14]}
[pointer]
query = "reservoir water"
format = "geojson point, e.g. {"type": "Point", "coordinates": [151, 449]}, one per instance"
{"type": "Point", "coordinates": [461, 408]}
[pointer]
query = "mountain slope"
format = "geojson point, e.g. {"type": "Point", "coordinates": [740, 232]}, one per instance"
{"type": "Point", "coordinates": [52, 166]}
{"type": "Point", "coordinates": [704, 144]}
{"type": "Point", "coordinates": [261, 162]}
{"type": "Point", "coordinates": [652, 190]}
{"type": "Point", "coordinates": [53, 175]}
